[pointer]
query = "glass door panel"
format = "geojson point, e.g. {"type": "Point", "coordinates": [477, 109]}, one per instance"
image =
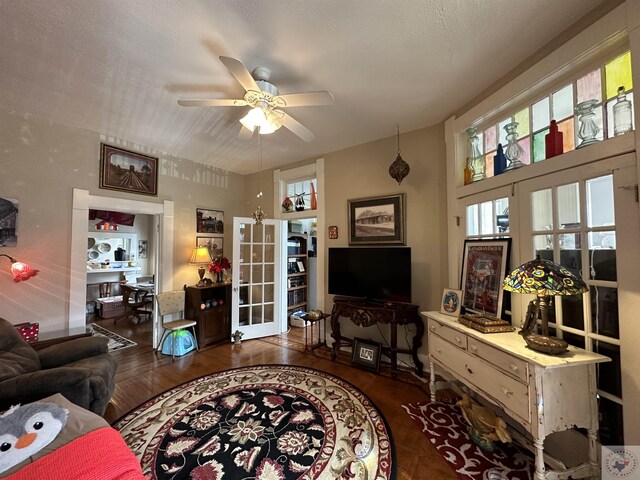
{"type": "Point", "coordinates": [257, 278]}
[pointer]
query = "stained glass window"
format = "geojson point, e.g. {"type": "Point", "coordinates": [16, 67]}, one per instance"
{"type": "Point", "coordinates": [533, 121]}
{"type": "Point", "coordinates": [541, 114]}
{"type": "Point", "coordinates": [618, 73]}
{"type": "Point", "coordinates": [539, 146]}
{"type": "Point", "coordinates": [563, 103]}
{"type": "Point", "coordinates": [590, 86]}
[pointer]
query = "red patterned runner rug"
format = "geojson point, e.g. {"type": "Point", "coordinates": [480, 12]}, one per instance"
{"type": "Point", "coordinates": [444, 426]}
{"type": "Point", "coordinates": [271, 422]}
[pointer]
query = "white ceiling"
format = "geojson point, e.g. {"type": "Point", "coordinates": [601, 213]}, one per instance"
{"type": "Point", "coordinates": [118, 67]}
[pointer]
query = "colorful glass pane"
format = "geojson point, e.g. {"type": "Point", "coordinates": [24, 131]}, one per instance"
{"type": "Point", "coordinates": [610, 124]}
{"type": "Point", "coordinates": [502, 133]}
{"type": "Point", "coordinates": [540, 113]}
{"type": "Point", "coordinates": [563, 103]}
{"type": "Point", "coordinates": [568, 134]}
{"type": "Point", "coordinates": [522, 117]}
{"type": "Point", "coordinates": [490, 139]}
{"type": "Point", "coordinates": [618, 73]}
{"type": "Point", "coordinates": [488, 161]}
{"type": "Point", "coordinates": [525, 143]}
{"type": "Point", "coordinates": [590, 86]}
{"type": "Point", "coordinates": [539, 153]}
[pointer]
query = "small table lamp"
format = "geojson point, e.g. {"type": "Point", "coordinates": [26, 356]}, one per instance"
{"type": "Point", "coordinates": [202, 257]}
{"type": "Point", "coordinates": [542, 278]}
{"type": "Point", "coordinates": [20, 271]}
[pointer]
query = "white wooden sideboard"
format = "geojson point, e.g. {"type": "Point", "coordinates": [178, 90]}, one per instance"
{"type": "Point", "coordinates": [543, 393]}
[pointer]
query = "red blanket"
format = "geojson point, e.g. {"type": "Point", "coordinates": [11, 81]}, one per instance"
{"type": "Point", "coordinates": [98, 455]}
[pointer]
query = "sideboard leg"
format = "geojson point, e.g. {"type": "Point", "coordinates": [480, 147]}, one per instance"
{"type": "Point", "coordinates": [432, 381]}
{"type": "Point", "coordinates": [540, 469]}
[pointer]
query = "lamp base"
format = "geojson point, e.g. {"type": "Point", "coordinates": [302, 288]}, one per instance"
{"type": "Point", "coordinates": [546, 344]}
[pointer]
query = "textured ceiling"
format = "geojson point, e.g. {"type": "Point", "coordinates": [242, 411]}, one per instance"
{"type": "Point", "coordinates": [118, 67]}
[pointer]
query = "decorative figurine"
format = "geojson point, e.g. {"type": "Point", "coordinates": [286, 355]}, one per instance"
{"type": "Point", "coordinates": [236, 337]}
{"type": "Point", "coordinates": [485, 427]}
{"type": "Point", "coordinates": [287, 205]}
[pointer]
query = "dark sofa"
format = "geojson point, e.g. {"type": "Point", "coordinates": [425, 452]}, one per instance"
{"type": "Point", "coordinates": [80, 369]}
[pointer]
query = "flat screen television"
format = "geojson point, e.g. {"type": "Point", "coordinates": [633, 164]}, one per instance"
{"type": "Point", "coordinates": [376, 273]}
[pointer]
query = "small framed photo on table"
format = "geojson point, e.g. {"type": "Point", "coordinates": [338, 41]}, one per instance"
{"type": "Point", "coordinates": [366, 354]}
{"type": "Point", "coordinates": [451, 302]}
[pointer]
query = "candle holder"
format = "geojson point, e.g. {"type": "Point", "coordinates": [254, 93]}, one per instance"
{"type": "Point", "coordinates": [513, 151]}
{"type": "Point", "coordinates": [588, 128]}
{"type": "Point", "coordinates": [476, 159]}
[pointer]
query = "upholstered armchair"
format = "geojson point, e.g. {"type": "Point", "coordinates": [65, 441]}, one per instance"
{"type": "Point", "coordinates": [80, 369]}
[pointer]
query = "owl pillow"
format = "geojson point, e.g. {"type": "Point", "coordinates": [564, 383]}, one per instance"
{"type": "Point", "coordinates": [26, 429]}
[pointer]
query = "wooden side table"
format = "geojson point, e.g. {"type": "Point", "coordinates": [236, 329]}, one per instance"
{"type": "Point", "coordinates": [313, 321]}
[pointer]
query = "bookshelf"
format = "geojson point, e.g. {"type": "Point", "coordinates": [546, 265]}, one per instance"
{"type": "Point", "coordinates": [297, 271]}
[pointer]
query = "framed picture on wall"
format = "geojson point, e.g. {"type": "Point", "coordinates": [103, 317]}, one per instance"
{"type": "Point", "coordinates": [209, 221]}
{"type": "Point", "coordinates": [8, 220]}
{"type": "Point", "coordinates": [377, 220]}
{"type": "Point", "coordinates": [484, 266]}
{"type": "Point", "coordinates": [128, 171]}
{"type": "Point", "coordinates": [214, 244]}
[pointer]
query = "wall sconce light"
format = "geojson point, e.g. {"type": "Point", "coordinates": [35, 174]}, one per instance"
{"type": "Point", "coordinates": [20, 271]}
{"type": "Point", "coordinates": [200, 256]}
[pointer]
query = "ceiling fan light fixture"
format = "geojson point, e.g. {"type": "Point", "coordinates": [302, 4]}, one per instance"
{"type": "Point", "coordinates": [265, 122]}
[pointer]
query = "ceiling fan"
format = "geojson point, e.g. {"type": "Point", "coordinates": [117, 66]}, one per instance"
{"type": "Point", "coordinates": [265, 102]}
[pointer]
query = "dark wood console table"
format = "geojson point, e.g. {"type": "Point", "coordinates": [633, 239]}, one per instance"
{"type": "Point", "coordinates": [367, 313]}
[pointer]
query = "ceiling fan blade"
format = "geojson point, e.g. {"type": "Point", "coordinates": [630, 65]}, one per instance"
{"type": "Point", "coordinates": [296, 127]}
{"type": "Point", "coordinates": [212, 102]}
{"type": "Point", "coordinates": [307, 99]}
{"type": "Point", "coordinates": [240, 72]}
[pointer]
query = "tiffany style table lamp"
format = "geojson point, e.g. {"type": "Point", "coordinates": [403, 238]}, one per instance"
{"type": "Point", "coordinates": [542, 278]}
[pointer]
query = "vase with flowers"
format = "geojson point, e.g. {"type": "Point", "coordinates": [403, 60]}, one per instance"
{"type": "Point", "coordinates": [218, 266]}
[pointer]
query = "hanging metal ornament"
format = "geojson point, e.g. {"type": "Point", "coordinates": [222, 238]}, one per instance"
{"type": "Point", "coordinates": [259, 215]}
{"type": "Point", "coordinates": [399, 168]}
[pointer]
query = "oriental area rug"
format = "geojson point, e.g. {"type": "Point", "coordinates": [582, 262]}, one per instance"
{"type": "Point", "coordinates": [263, 422]}
{"type": "Point", "coordinates": [444, 426]}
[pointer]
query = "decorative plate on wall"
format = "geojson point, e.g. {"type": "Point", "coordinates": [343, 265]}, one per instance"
{"type": "Point", "coordinates": [93, 255]}
{"type": "Point", "coordinates": [104, 248]}
{"type": "Point", "coordinates": [90, 243]}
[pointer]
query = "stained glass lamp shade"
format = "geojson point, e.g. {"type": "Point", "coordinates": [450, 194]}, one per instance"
{"type": "Point", "coordinates": [544, 279]}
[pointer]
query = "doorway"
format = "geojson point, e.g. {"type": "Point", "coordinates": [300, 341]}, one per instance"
{"type": "Point", "coordinates": [163, 227]}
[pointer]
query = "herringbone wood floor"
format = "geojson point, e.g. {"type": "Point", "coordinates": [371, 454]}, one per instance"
{"type": "Point", "coordinates": [142, 375]}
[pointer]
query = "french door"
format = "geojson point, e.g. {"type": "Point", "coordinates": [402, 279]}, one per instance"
{"type": "Point", "coordinates": [586, 219]}
{"type": "Point", "coordinates": [258, 300]}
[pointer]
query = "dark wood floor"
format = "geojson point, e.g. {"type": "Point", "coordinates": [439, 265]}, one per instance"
{"type": "Point", "coordinates": [142, 375]}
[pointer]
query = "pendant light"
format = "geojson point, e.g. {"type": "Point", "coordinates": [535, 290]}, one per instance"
{"type": "Point", "coordinates": [399, 168]}
{"type": "Point", "coordinates": [259, 215]}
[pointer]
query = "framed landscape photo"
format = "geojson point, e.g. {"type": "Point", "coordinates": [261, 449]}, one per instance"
{"type": "Point", "coordinates": [366, 354]}
{"type": "Point", "coordinates": [128, 171]}
{"type": "Point", "coordinates": [214, 244]}
{"type": "Point", "coordinates": [451, 302]}
{"type": "Point", "coordinates": [484, 266]}
{"type": "Point", "coordinates": [209, 221]}
{"type": "Point", "coordinates": [377, 220]}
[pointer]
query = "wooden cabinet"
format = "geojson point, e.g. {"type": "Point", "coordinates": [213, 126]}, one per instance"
{"type": "Point", "coordinates": [214, 320]}
{"type": "Point", "coordinates": [297, 273]}
{"type": "Point", "coordinates": [542, 393]}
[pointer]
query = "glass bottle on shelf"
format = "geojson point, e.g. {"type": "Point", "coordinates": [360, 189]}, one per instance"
{"type": "Point", "coordinates": [588, 128]}
{"type": "Point", "coordinates": [553, 141]}
{"type": "Point", "coordinates": [476, 159]}
{"type": "Point", "coordinates": [622, 113]}
{"type": "Point", "coordinates": [468, 173]}
{"type": "Point", "coordinates": [513, 150]}
{"type": "Point", "coordinates": [499, 161]}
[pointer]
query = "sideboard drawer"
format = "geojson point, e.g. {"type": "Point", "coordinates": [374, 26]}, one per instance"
{"type": "Point", "coordinates": [455, 337]}
{"type": "Point", "coordinates": [503, 389]}
{"type": "Point", "coordinates": [513, 366]}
